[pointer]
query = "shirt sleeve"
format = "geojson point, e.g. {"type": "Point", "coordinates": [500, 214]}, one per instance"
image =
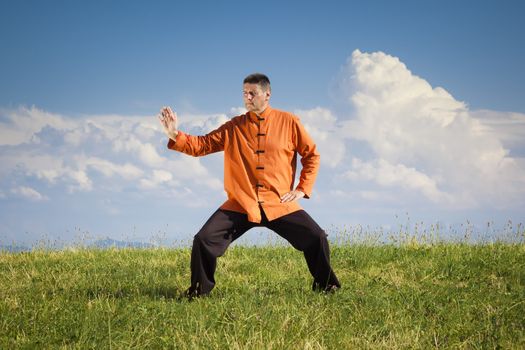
{"type": "Point", "coordinates": [197, 146]}
{"type": "Point", "coordinates": [310, 158]}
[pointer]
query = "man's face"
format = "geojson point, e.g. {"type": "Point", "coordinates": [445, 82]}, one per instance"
{"type": "Point", "coordinates": [255, 98]}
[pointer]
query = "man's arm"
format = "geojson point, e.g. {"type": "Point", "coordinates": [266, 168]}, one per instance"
{"type": "Point", "coordinates": [310, 159]}
{"type": "Point", "coordinates": [189, 144]}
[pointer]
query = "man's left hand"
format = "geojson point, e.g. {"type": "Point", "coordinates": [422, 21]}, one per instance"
{"type": "Point", "coordinates": [292, 196]}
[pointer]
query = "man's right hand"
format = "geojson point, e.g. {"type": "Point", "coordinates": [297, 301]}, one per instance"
{"type": "Point", "coordinates": [168, 120]}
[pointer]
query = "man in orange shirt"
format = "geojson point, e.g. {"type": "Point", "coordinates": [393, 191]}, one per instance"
{"type": "Point", "coordinates": [260, 155]}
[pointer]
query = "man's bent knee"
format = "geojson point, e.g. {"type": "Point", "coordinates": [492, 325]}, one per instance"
{"type": "Point", "coordinates": [215, 247]}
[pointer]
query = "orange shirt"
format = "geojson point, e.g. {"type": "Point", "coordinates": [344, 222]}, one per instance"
{"type": "Point", "coordinates": [260, 156]}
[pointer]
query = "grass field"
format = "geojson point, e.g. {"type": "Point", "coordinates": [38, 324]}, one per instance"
{"type": "Point", "coordinates": [449, 295]}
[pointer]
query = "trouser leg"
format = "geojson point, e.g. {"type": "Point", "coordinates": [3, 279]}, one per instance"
{"type": "Point", "coordinates": [304, 234]}
{"type": "Point", "coordinates": [222, 228]}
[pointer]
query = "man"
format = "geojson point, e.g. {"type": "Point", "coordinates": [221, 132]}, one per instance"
{"type": "Point", "coordinates": [260, 154]}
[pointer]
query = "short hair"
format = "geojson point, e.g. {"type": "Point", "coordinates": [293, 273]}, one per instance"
{"type": "Point", "coordinates": [259, 79]}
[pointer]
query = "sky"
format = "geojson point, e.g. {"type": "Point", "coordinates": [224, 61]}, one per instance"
{"type": "Point", "coordinates": [417, 108]}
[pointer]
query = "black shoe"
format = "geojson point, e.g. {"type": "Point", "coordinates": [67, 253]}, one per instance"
{"type": "Point", "coordinates": [331, 288]}
{"type": "Point", "coordinates": [190, 294]}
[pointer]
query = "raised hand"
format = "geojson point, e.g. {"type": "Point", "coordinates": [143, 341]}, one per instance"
{"type": "Point", "coordinates": [168, 120]}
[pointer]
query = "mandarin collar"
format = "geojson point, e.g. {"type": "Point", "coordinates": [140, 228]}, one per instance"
{"type": "Point", "coordinates": [266, 113]}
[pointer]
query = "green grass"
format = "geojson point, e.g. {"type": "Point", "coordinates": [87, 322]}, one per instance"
{"type": "Point", "coordinates": [394, 296]}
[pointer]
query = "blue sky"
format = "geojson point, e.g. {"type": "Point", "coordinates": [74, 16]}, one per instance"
{"type": "Point", "coordinates": [81, 83]}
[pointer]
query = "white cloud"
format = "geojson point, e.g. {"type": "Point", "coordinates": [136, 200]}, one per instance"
{"type": "Point", "coordinates": [74, 152]}
{"type": "Point", "coordinates": [162, 176]}
{"type": "Point", "coordinates": [28, 193]}
{"type": "Point", "coordinates": [157, 178]}
{"type": "Point", "coordinates": [397, 176]}
{"type": "Point", "coordinates": [146, 152]}
{"type": "Point", "coordinates": [18, 126]}
{"type": "Point", "coordinates": [127, 171]}
{"type": "Point", "coordinates": [508, 127]}
{"type": "Point", "coordinates": [84, 183]}
{"type": "Point", "coordinates": [201, 123]}
{"type": "Point", "coordinates": [399, 143]}
{"type": "Point", "coordinates": [48, 167]}
{"type": "Point", "coordinates": [408, 124]}
{"type": "Point", "coordinates": [235, 111]}
{"type": "Point", "coordinates": [322, 126]}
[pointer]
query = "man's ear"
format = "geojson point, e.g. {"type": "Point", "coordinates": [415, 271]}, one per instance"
{"type": "Point", "coordinates": [268, 94]}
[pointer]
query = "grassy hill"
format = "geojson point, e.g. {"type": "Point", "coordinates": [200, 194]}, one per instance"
{"type": "Point", "coordinates": [393, 296]}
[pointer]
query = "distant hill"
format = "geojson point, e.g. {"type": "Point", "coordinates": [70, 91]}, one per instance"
{"type": "Point", "coordinates": [13, 248]}
{"type": "Point", "coordinates": [112, 243]}
{"type": "Point", "coordinates": [101, 244]}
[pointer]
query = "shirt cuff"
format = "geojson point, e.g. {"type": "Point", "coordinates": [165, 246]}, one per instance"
{"type": "Point", "coordinates": [306, 194]}
{"type": "Point", "coordinates": [180, 140]}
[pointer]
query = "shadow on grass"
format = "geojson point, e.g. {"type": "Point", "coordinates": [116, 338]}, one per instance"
{"type": "Point", "coordinates": [163, 292]}
{"type": "Point", "coordinates": [154, 292]}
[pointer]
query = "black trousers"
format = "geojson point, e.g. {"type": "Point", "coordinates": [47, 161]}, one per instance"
{"type": "Point", "coordinates": [225, 226]}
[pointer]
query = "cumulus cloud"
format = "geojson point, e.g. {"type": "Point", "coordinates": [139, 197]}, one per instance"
{"type": "Point", "coordinates": [322, 126]}
{"type": "Point", "coordinates": [22, 162]}
{"type": "Point", "coordinates": [97, 153]}
{"type": "Point", "coordinates": [398, 141]}
{"type": "Point", "coordinates": [145, 151]}
{"type": "Point", "coordinates": [127, 171]}
{"type": "Point", "coordinates": [19, 125]}
{"type": "Point", "coordinates": [28, 193]}
{"type": "Point", "coordinates": [199, 124]}
{"type": "Point", "coordinates": [508, 127]}
{"type": "Point", "coordinates": [234, 111]}
{"type": "Point", "coordinates": [157, 178]}
{"type": "Point", "coordinates": [399, 175]}
{"type": "Point", "coordinates": [424, 135]}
